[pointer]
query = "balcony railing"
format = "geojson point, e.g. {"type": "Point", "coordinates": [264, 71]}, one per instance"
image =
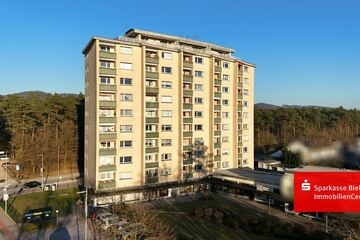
{"type": "Point", "coordinates": [187, 120]}
{"type": "Point", "coordinates": [187, 176]}
{"type": "Point", "coordinates": [107, 119]}
{"type": "Point", "coordinates": [107, 104]}
{"type": "Point", "coordinates": [217, 120]}
{"type": "Point", "coordinates": [107, 168]}
{"type": "Point", "coordinates": [151, 180]}
{"type": "Point", "coordinates": [152, 120]}
{"type": "Point", "coordinates": [217, 133]}
{"type": "Point", "coordinates": [187, 78]}
{"type": "Point", "coordinates": [217, 158]}
{"type": "Point", "coordinates": [187, 64]}
{"type": "Point", "coordinates": [153, 75]}
{"type": "Point", "coordinates": [217, 107]}
{"type": "Point", "coordinates": [106, 184]}
{"type": "Point", "coordinates": [152, 104]}
{"type": "Point", "coordinates": [152, 134]}
{"type": "Point", "coordinates": [188, 134]}
{"type": "Point", "coordinates": [217, 145]}
{"type": "Point", "coordinates": [154, 59]}
{"type": "Point", "coordinates": [187, 161]}
{"type": "Point", "coordinates": [187, 92]}
{"type": "Point", "coordinates": [107, 87]}
{"type": "Point", "coordinates": [107, 71]}
{"type": "Point", "coordinates": [107, 151]}
{"type": "Point", "coordinates": [109, 55]}
{"type": "Point", "coordinates": [217, 69]}
{"type": "Point", "coordinates": [239, 84]}
{"type": "Point", "coordinates": [217, 95]}
{"type": "Point", "coordinates": [152, 150]}
{"type": "Point", "coordinates": [187, 148]}
{"type": "Point", "coordinates": [187, 105]}
{"type": "Point", "coordinates": [152, 165]}
{"type": "Point", "coordinates": [152, 90]}
{"type": "Point", "coordinates": [107, 136]}
{"type": "Point", "coordinates": [217, 82]}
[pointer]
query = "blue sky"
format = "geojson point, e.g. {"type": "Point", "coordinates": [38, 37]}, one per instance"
{"type": "Point", "coordinates": [307, 52]}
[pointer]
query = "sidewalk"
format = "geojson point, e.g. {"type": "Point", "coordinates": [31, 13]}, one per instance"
{"type": "Point", "coordinates": [7, 226]}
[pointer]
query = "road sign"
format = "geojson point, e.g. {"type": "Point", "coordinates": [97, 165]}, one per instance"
{"type": "Point", "coordinates": [17, 167]}
{"type": "Point", "coordinates": [6, 196]}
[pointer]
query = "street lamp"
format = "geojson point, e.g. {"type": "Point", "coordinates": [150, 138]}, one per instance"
{"type": "Point", "coordinates": [57, 216]}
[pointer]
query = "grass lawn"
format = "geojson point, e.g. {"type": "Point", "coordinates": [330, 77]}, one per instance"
{"type": "Point", "coordinates": [237, 223]}
{"type": "Point", "coordinates": [63, 200]}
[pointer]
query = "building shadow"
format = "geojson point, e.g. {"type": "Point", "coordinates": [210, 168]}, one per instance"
{"type": "Point", "coordinates": [60, 233]}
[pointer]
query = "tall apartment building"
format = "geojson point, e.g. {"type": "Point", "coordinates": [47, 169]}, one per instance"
{"type": "Point", "coordinates": [161, 108]}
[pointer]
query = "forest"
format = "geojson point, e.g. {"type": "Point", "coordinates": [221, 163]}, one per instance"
{"type": "Point", "coordinates": [36, 125]}
{"type": "Point", "coordinates": [312, 125]}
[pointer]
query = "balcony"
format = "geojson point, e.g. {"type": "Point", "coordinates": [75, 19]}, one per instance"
{"type": "Point", "coordinates": [152, 105]}
{"type": "Point", "coordinates": [217, 145]}
{"type": "Point", "coordinates": [187, 78]}
{"type": "Point", "coordinates": [187, 120]}
{"type": "Point", "coordinates": [154, 60]}
{"type": "Point", "coordinates": [187, 148]}
{"type": "Point", "coordinates": [107, 104]}
{"type": "Point", "coordinates": [217, 158]}
{"type": "Point", "coordinates": [107, 168]}
{"type": "Point", "coordinates": [153, 75]}
{"type": "Point", "coordinates": [107, 136]}
{"type": "Point", "coordinates": [106, 184]}
{"type": "Point", "coordinates": [152, 90]}
{"type": "Point", "coordinates": [107, 87]}
{"type": "Point", "coordinates": [239, 144]}
{"type": "Point", "coordinates": [187, 64]}
{"type": "Point", "coordinates": [239, 108]}
{"type": "Point", "coordinates": [188, 134]}
{"type": "Point", "coordinates": [152, 120]}
{"type": "Point", "coordinates": [108, 55]}
{"type": "Point", "coordinates": [240, 131]}
{"type": "Point", "coordinates": [107, 119]}
{"type": "Point", "coordinates": [107, 151]}
{"type": "Point", "coordinates": [240, 155]}
{"type": "Point", "coordinates": [187, 161]}
{"type": "Point", "coordinates": [187, 106]}
{"type": "Point", "coordinates": [152, 134]}
{"type": "Point", "coordinates": [152, 165]}
{"type": "Point", "coordinates": [239, 96]}
{"type": "Point", "coordinates": [107, 71]}
{"type": "Point", "coordinates": [187, 92]}
{"type": "Point", "coordinates": [217, 120]}
{"type": "Point", "coordinates": [152, 150]}
{"type": "Point", "coordinates": [217, 107]}
{"type": "Point", "coordinates": [151, 180]}
{"type": "Point", "coordinates": [217, 82]}
{"type": "Point", "coordinates": [187, 176]}
{"type": "Point", "coordinates": [217, 133]}
{"type": "Point", "coordinates": [217, 69]}
{"type": "Point", "coordinates": [217, 95]}
{"type": "Point", "coordinates": [239, 84]}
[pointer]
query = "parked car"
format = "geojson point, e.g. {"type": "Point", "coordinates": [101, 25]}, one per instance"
{"type": "Point", "coordinates": [8, 164]}
{"type": "Point", "coordinates": [106, 220]}
{"type": "Point", "coordinates": [32, 184]}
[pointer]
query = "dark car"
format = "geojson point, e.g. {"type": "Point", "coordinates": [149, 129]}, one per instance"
{"type": "Point", "coordinates": [32, 184]}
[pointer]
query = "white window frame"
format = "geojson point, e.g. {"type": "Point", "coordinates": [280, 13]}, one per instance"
{"type": "Point", "coordinates": [126, 66]}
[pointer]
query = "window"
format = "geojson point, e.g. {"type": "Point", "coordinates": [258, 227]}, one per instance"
{"type": "Point", "coordinates": [246, 69]}
{"type": "Point", "coordinates": [106, 80]}
{"type": "Point", "coordinates": [165, 142]}
{"type": "Point", "coordinates": [199, 127]}
{"type": "Point", "coordinates": [106, 64]}
{"type": "Point", "coordinates": [106, 48]}
{"type": "Point", "coordinates": [166, 113]}
{"type": "Point", "coordinates": [126, 160]}
{"type": "Point", "coordinates": [167, 70]}
{"type": "Point", "coordinates": [246, 91]}
{"type": "Point", "coordinates": [199, 74]}
{"type": "Point", "coordinates": [150, 68]}
{"type": "Point", "coordinates": [125, 175]}
{"type": "Point", "coordinates": [246, 80]}
{"type": "Point", "coordinates": [246, 103]}
{"type": "Point", "coordinates": [125, 81]}
{"type": "Point", "coordinates": [245, 149]}
{"type": "Point", "coordinates": [165, 171]}
{"type": "Point", "coordinates": [126, 97]}
{"type": "Point", "coordinates": [226, 127]}
{"type": "Point", "coordinates": [149, 143]}
{"type": "Point", "coordinates": [150, 157]}
{"type": "Point", "coordinates": [125, 128]}
{"type": "Point", "coordinates": [225, 139]}
{"type": "Point", "coordinates": [166, 157]}
{"type": "Point", "coordinates": [199, 87]}
{"type": "Point", "coordinates": [245, 138]}
{"type": "Point", "coordinates": [126, 66]}
{"type": "Point", "coordinates": [106, 160]}
{"type": "Point", "coordinates": [107, 145]}
{"type": "Point", "coordinates": [225, 101]}
{"type": "Point", "coordinates": [166, 99]}
{"type": "Point", "coordinates": [150, 127]}
{"type": "Point", "coordinates": [198, 167]}
{"type": "Point", "coordinates": [126, 50]}
{"type": "Point", "coordinates": [245, 114]}
{"type": "Point", "coordinates": [199, 114]}
{"type": "Point", "coordinates": [106, 176]}
{"type": "Point", "coordinates": [199, 60]}
{"type": "Point", "coordinates": [226, 65]}
{"type": "Point", "coordinates": [126, 112]}
{"type": "Point", "coordinates": [166, 84]}
{"type": "Point", "coordinates": [226, 77]}
{"type": "Point", "coordinates": [225, 164]}
{"type": "Point", "coordinates": [226, 114]}
{"type": "Point", "coordinates": [199, 101]}
{"type": "Point", "coordinates": [107, 112]}
{"type": "Point", "coordinates": [226, 90]}
{"type": "Point", "coordinates": [199, 141]}
{"type": "Point", "coordinates": [166, 55]}
{"type": "Point", "coordinates": [106, 96]}
{"type": "Point", "coordinates": [166, 128]}
{"type": "Point", "coordinates": [245, 126]}
{"type": "Point", "coordinates": [107, 128]}
{"type": "Point", "coordinates": [126, 143]}
{"type": "Point", "coordinates": [151, 112]}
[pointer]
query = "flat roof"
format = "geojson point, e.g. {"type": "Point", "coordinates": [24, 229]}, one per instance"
{"type": "Point", "coordinates": [134, 32]}
{"type": "Point", "coordinates": [310, 168]}
{"type": "Point", "coordinates": [251, 174]}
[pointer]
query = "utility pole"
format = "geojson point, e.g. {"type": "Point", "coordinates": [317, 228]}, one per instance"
{"type": "Point", "coordinates": [326, 224]}
{"type": "Point", "coordinates": [85, 210]}
{"type": "Point", "coordinates": [269, 204]}
{"type": "Point", "coordinates": [42, 171]}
